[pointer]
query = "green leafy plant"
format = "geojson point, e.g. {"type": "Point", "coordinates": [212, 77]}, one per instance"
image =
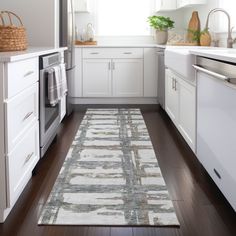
{"type": "Point", "coordinates": [160, 22]}
{"type": "Point", "coordinates": [196, 34]}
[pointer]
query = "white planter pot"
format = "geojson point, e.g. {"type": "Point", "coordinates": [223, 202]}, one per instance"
{"type": "Point", "coordinates": [161, 36]}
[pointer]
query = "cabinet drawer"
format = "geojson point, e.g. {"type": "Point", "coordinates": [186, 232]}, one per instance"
{"type": "Point", "coordinates": [20, 163]}
{"type": "Point", "coordinates": [113, 53]}
{"type": "Point", "coordinates": [21, 111]}
{"type": "Point", "coordinates": [21, 74]}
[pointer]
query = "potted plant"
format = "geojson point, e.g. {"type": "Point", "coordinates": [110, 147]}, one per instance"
{"type": "Point", "coordinates": [161, 24]}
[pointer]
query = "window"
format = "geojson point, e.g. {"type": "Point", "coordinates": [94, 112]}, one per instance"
{"type": "Point", "coordinates": [230, 7]}
{"type": "Point", "coordinates": [123, 17]}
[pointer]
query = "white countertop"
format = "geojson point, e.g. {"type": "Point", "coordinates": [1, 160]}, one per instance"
{"type": "Point", "coordinates": [223, 54]}
{"type": "Point", "coordinates": [150, 45]}
{"type": "Point", "coordinates": [30, 52]}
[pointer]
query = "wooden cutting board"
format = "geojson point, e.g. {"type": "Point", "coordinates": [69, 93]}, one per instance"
{"type": "Point", "coordinates": [194, 25]}
{"type": "Point", "coordinates": [86, 43]}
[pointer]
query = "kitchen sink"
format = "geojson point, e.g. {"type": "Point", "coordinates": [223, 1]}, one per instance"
{"type": "Point", "coordinates": [180, 60]}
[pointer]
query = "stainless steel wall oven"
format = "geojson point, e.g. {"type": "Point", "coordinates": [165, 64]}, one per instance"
{"type": "Point", "coordinates": [49, 115]}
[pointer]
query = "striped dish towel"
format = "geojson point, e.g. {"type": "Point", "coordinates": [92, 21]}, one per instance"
{"type": "Point", "coordinates": [54, 85]}
{"type": "Point", "coordinates": [57, 84]}
{"type": "Point", "coordinates": [64, 88]}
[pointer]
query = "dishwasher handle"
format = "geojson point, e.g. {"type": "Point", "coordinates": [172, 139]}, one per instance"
{"type": "Point", "coordinates": [212, 73]}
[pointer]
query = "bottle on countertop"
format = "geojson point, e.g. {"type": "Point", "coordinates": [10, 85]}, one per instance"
{"type": "Point", "coordinates": [90, 32]}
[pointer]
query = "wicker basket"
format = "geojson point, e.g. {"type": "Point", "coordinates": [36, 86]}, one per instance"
{"type": "Point", "coordinates": [12, 38]}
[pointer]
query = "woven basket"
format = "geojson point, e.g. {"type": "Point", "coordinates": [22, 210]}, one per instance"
{"type": "Point", "coordinates": [12, 38]}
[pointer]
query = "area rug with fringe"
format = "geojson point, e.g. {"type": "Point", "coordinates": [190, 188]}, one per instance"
{"type": "Point", "coordinates": [110, 176]}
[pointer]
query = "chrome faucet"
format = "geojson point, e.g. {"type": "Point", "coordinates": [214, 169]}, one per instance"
{"type": "Point", "coordinates": [230, 40]}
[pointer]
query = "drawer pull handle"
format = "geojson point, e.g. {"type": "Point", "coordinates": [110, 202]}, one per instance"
{"type": "Point", "coordinates": [127, 53]}
{"type": "Point", "coordinates": [217, 174]}
{"type": "Point", "coordinates": [28, 115]}
{"type": "Point", "coordinates": [28, 158]}
{"type": "Point", "coordinates": [94, 53]}
{"type": "Point", "coordinates": [28, 73]}
{"type": "Point", "coordinates": [173, 83]}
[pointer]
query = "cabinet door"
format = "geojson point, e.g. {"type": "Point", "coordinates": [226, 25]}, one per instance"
{"type": "Point", "coordinates": [166, 5]}
{"type": "Point", "coordinates": [150, 72]}
{"type": "Point", "coordinates": [127, 77]}
{"type": "Point", "coordinates": [171, 96]}
{"type": "Point", "coordinates": [97, 78]}
{"type": "Point", "coordinates": [187, 3]}
{"type": "Point", "coordinates": [81, 6]}
{"type": "Point", "coordinates": [187, 111]}
{"type": "Point", "coordinates": [75, 84]}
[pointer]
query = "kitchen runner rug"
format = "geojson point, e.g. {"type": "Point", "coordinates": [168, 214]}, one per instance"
{"type": "Point", "coordinates": [110, 176]}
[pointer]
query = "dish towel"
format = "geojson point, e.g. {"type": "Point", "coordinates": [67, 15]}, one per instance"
{"type": "Point", "coordinates": [64, 88]}
{"type": "Point", "coordinates": [54, 85]}
{"type": "Point", "coordinates": [57, 84]}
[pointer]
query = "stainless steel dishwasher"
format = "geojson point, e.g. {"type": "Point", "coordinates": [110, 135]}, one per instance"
{"type": "Point", "coordinates": [216, 123]}
{"type": "Point", "coordinates": [161, 76]}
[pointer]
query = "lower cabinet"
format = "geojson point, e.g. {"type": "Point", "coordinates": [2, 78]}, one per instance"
{"type": "Point", "coordinates": [181, 106]}
{"type": "Point", "coordinates": [127, 77]}
{"type": "Point", "coordinates": [171, 96]}
{"type": "Point", "coordinates": [20, 163]}
{"type": "Point", "coordinates": [112, 77]}
{"type": "Point", "coordinates": [97, 78]}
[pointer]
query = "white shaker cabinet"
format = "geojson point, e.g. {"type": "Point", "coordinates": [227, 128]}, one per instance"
{"type": "Point", "coordinates": [81, 6]}
{"type": "Point", "coordinates": [97, 78]}
{"type": "Point", "coordinates": [150, 71]}
{"type": "Point", "coordinates": [166, 5]}
{"type": "Point", "coordinates": [181, 106]}
{"type": "Point", "coordinates": [190, 3]}
{"type": "Point", "coordinates": [115, 75]}
{"type": "Point", "coordinates": [171, 93]}
{"type": "Point", "coordinates": [19, 136]}
{"type": "Point", "coordinates": [187, 111]}
{"type": "Point", "coordinates": [127, 77]}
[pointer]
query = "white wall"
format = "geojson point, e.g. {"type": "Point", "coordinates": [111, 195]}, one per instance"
{"type": "Point", "coordinates": [203, 11]}
{"type": "Point", "coordinates": [40, 18]}
{"type": "Point", "coordinates": [82, 19]}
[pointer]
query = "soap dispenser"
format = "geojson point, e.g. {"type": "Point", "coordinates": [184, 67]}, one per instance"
{"type": "Point", "coordinates": [90, 32]}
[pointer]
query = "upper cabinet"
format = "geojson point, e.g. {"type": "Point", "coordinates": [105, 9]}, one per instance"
{"type": "Point", "coordinates": [189, 3]}
{"type": "Point", "coordinates": [81, 5]}
{"type": "Point", "coordinates": [170, 5]}
{"type": "Point", "coordinates": [166, 5]}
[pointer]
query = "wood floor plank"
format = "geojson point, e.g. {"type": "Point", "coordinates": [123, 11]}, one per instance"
{"type": "Point", "coordinates": [121, 231]}
{"type": "Point", "coordinates": [201, 208]}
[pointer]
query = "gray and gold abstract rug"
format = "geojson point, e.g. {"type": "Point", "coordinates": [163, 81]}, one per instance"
{"type": "Point", "coordinates": [110, 176]}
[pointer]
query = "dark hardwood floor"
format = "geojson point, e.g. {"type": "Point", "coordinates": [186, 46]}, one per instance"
{"type": "Point", "coordinates": [200, 207]}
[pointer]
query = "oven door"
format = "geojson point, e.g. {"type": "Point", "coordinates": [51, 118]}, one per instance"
{"type": "Point", "coordinates": [49, 115]}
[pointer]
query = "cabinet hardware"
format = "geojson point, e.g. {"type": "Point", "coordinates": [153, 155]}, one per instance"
{"type": "Point", "coordinates": [217, 173]}
{"type": "Point", "coordinates": [28, 115]}
{"type": "Point", "coordinates": [173, 83]}
{"type": "Point", "coordinates": [28, 73]}
{"type": "Point", "coordinates": [127, 53]}
{"type": "Point", "coordinates": [94, 53]}
{"type": "Point", "coordinates": [28, 158]}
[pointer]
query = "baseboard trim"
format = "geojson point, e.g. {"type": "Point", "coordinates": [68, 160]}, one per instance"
{"type": "Point", "coordinates": [78, 101]}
